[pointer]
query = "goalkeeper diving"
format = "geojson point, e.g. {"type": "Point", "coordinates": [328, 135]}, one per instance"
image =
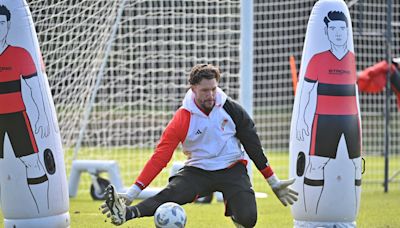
{"type": "Point", "coordinates": [211, 128]}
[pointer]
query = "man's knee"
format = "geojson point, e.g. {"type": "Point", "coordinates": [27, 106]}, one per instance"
{"type": "Point", "coordinates": [243, 209]}
{"type": "Point", "coordinates": [246, 218]}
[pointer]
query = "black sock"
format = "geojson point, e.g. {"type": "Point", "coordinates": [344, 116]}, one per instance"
{"type": "Point", "coordinates": [132, 212]}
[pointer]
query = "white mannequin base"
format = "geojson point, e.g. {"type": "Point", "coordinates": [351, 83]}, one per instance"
{"type": "Point", "coordinates": [310, 224]}
{"type": "Point", "coordinates": [55, 221]}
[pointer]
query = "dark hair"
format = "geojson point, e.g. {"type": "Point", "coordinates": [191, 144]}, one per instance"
{"type": "Point", "coordinates": [203, 71]}
{"type": "Point", "coordinates": [4, 11]}
{"type": "Point", "coordinates": [335, 16]}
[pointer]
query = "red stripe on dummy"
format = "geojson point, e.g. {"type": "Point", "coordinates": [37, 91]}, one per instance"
{"type": "Point", "coordinates": [31, 136]}
{"type": "Point", "coordinates": [313, 136]}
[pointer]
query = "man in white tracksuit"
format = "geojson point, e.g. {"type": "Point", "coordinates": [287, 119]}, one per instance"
{"type": "Point", "coordinates": [211, 127]}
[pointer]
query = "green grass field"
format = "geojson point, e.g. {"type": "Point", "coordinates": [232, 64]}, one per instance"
{"type": "Point", "coordinates": [378, 209]}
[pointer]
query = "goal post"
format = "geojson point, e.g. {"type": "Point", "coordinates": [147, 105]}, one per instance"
{"type": "Point", "coordinates": [246, 63]}
{"type": "Point", "coordinates": [98, 79]}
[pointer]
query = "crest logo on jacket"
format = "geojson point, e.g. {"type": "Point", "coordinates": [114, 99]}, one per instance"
{"type": "Point", "coordinates": [223, 124]}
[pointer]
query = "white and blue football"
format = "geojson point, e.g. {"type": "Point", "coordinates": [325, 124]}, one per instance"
{"type": "Point", "coordinates": [170, 215]}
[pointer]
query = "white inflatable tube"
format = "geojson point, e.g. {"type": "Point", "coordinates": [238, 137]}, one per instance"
{"type": "Point", "coordinates": [33, 181]}
{"type": "Point", "coordinates": [325, 140]}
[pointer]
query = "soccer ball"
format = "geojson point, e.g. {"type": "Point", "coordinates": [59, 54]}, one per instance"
{"type": "Point", "coordinates": [170, 215]}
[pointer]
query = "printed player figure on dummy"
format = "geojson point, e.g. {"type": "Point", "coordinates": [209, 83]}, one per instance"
{"type": "Point", "coordinates": [336, 112]}
{"type": "Point", "coordinates": [17, 63]}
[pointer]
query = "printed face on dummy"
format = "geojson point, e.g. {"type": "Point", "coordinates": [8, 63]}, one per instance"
{"type": "Point", "coordinates": [205, 92]}
{"type": "Point", "coordinates": [3, 27]}
{"type": "Point", "coordinates": [337, 32]}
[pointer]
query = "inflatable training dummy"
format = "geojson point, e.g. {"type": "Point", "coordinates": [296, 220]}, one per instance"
{"type": "Point", "coordinates": [325, 140]}
{"type": "Point", "coordinates": [33, 184]}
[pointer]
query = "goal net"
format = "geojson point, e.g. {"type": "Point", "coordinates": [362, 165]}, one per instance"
{"type": "Point", "coordinates": [118, 70]}
{"type": "Point", "coordinates": [144, 78]}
